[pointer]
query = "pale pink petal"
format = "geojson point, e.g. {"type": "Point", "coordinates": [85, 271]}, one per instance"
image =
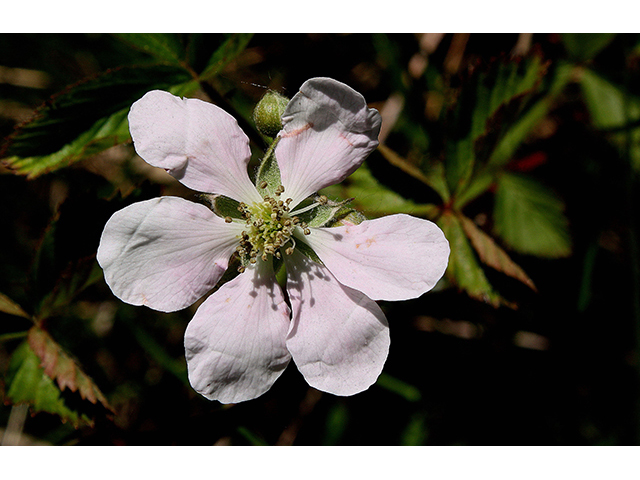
{"type": "Point", "coordinates": [197, 142]}
{"type": "Point", "coordinates": [328, 132]}
{"type": "Point", "coordinates": [235, 343]}
{"type": "Point", "coordinates": [165, 253]}
{"type": "Point", "coordinates": [339, 338]}
{"type": "Point", "coordinates": [397, 257]}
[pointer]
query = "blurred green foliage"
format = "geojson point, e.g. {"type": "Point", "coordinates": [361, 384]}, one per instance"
{"type": "Point", "coordinates": [524, 149]}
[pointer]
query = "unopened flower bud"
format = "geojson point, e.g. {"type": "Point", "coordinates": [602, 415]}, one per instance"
{"type": "Point", "coordinates": [268, 112]}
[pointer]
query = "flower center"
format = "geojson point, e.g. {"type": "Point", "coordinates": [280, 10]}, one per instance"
{"type": "Point", "coordinates": [270, 228]}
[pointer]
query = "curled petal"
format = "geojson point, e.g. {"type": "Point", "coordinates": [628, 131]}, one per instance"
{"type": "Point", "coordinates": [328, 132]}
{"type": "Point", "coordinates": [197, 142]}
{"type": "Point", "coordinates": [397, 257]}
{"type": "Point", "coordinates": [165, 253]}
{"type": "Point", "coordinates": [235, 343]}
{"type": "Point", "coordinates": [339, 338]}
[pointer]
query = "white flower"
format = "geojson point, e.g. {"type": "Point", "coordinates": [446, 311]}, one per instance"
{"type": "Point", "coordinates": [168, 252]}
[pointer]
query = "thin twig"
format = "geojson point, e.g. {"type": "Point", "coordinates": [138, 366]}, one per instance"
{"type": "Point", "coordinates": [13, 434]}
{"type": "Point", "coordinates": [289, 434]}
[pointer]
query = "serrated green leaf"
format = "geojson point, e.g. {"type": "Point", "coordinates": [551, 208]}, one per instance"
{"type": "Point", "coordinates": [166, 47]}
{"type": "Point", "coordinates": [374, 198]}
{"type": "Point", "coordinates": [464, 269]}
{"type": "Point", "coordinates": [584, 46]}
{"type": "Point", "coordinates": [105, 133]}
{"type": "Point", "coordinates": [529, 218]}
{"type": "Point", "coordinates": [233, 46]}
{"type": "Point", "coordinates": [611, 107]}
{"type": "Point", "coordinates": [480, 183]}
{"type": "Point", "coordinates": [518, 132]}
{"type": "Point", "coordinates": [514, 136]}
{"type": "Point", "coordinates": [12, 308]}
{"type": "Point", "coordinates": [85, 118]}
{"type": "Point", "coordinates": [28, 383]}
{"type": "Point", "coordinates": [489, 100]}
{"type": "Point", "coordinates": [60, 367]}
{"type": "Point", "coordinates": [491, 254]}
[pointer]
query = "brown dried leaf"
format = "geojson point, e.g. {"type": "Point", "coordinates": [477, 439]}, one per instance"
{"type": "Point", "coordinates": [492, 255]}
{"type": "Point", "coordinates": [62, 368]}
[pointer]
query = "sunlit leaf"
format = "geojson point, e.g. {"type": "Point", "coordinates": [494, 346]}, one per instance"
{"type": "Point", "coordinates": [464, 269]}
{"type": "Point", "coordinates": [373, 198]}
{"type": "Point", "coordinates": [63, 369]}
{"type": "Point", "coordinates": [491, 254]}
{"type": "Point", "coordinates": [584, 46]}
{"type": "Point", "coordinates": [529, 218]}
{"type": "Point", "coordinates": [12, 308]}
{"type": "Point", "coordinates": [26, 382]}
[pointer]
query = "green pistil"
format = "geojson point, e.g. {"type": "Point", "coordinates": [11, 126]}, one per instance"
{"type": "Point", "coordinates": [269, 229]}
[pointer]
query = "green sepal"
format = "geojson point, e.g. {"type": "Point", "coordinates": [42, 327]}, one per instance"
{"type": "Point", "coordinates": [307, 251]}
{"type": "Point", "coordinates": [354, 217]}
{"type": "Point", "coordinates": [221, 205]}
{"type": "Point", "coordinates": [269, 172]}
{"type": "Point", "coordinates": [326, 215]}
{"type": "Point", "coordinates": [280, 271]}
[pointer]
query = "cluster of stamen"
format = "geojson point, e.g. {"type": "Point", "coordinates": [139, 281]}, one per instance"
{"type": "Point", "coordinates": [269, 229]}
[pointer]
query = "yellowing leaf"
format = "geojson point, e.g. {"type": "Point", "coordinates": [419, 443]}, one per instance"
{"type": "Point", "coordinates": [60, 367]}
{"type": "Point", "coordinates": [491, 254]}
{"type": "Point", "coordinates": [464, 269]}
